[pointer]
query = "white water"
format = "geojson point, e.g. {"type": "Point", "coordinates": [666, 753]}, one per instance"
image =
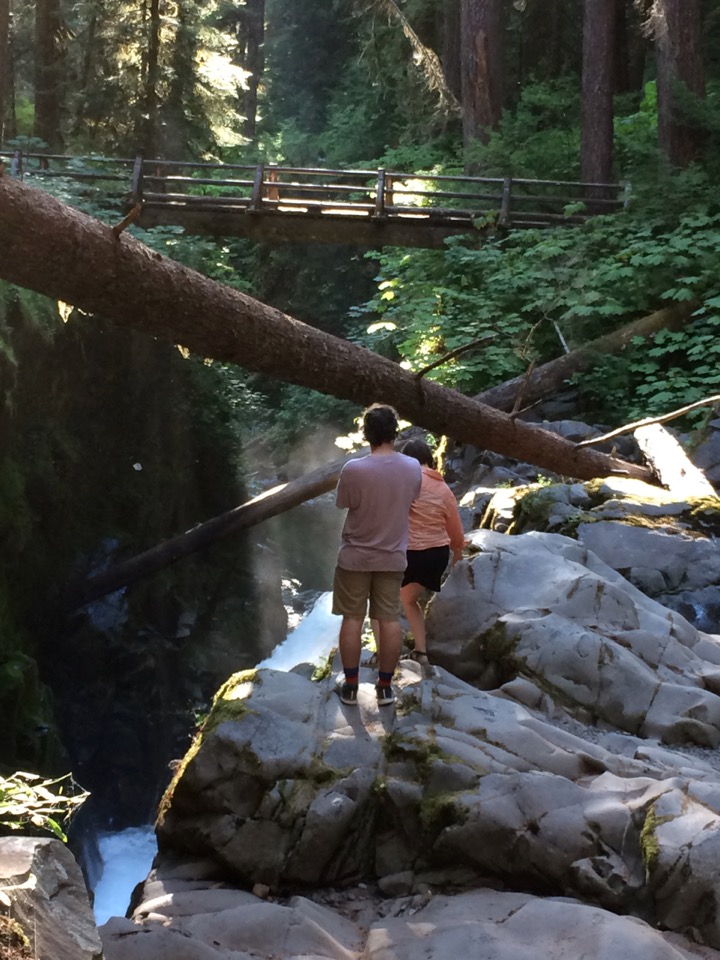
{"type": "Point", "coordinates": [127, 855]}
{"type": "Point", "coordinates": [312, 639]}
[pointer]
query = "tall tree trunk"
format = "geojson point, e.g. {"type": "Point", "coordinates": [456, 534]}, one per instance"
{"type": "Point", "coordinates": [481, 67]}
{"type": "Point", "coordinates": [677, 32]}
{"type": "Point", "coordinates": [181, 103]}
{"type": "Point", "coordinates": [630, 49]}
{"type": "Point", "coordinates": [62, 253]}
{"type": "Point", "coordinates": [4, 63]}
{"type": "Point", "coordinates": [254, 64]}
{"type": "Point", "coordinates": [598, 80]}
{"type": "Point", "coordinates": [450, 56]}
{"type": "Point", "coordinates": [150, 132]}
{"type": "Point", "coordinates": [49, 73]}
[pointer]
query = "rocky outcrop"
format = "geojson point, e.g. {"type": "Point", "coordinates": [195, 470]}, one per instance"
{"type": "Point", "coordinates": [664, 545]}
{"type": "Point", "coordinates": [213, 923]}
{"type": "Point", "coordinates": [419, 814]}
{"type": "Point", "coordinates": [579, 632]}
{"type": "Point", "coordinates": [550, 787]}
{"type": "Point", "coordinates": [48, 899]}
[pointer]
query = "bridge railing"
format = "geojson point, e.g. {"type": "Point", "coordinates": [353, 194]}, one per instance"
{"type": "Point", "coordinates": [223, 189]}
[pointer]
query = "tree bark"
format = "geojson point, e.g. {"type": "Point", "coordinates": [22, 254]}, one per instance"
{"type": "Point", "coordinates": [149, 138]}
{"type": "Point", "coordinates": [598, 80]}
{"type": "Point", "coordinates": [266, 505]}
{"type": "Point", "coordinates": [254, 64]}
{"type": "Point", "coordinates": [450, 55]}
{"type": "Point", "coordinates": [481, 67]}
{"type": "Point", "coordinates": [549, 377]}
{"type": "Point", "coordinates": [542, 383]}
{"type": "Point", "coordinates": [677, 31]}
{"type": "Point", "coordinates": [64, 254]}
{"type": "Point", "coordinates": [49, 73]}
{"type": "Point", "coordinates": [4, 63]}
{"type": "Point", "coordinates": [672, 464]}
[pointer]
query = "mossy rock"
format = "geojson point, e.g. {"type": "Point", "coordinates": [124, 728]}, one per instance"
{"type": "Point", "coordinates": [14, 945]}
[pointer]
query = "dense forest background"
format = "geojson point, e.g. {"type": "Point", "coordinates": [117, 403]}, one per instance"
{"type": "Point", "coordinates": [112, 442]}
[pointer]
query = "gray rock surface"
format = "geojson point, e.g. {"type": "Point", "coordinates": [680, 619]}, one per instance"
{"type": "Point", "coordinates": [49, 899]}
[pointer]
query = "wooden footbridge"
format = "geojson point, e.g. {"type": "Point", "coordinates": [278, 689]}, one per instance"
{"type": "Point", "coordinates": [265, 202]}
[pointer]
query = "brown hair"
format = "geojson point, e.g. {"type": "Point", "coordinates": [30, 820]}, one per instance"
{"type": "Point", "coordinates": [380, 424]}
{"type": "Point", "coordinates": [420, 451]}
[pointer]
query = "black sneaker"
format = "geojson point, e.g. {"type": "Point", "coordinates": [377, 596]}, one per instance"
{"type": "Point", "coordinates": [385, 695]}
{"type": "Point", "coordinates": [349, 694]}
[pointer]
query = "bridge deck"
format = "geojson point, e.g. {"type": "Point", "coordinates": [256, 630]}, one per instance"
{"type": "Point", "coordinates": [312, 204]}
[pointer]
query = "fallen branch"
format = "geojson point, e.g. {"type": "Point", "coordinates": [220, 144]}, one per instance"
{"type": "Point", "coordinates": [549, 377]}
{"type": "Point", "coordinates": [452, 355]}
{"type": "Point", "coordinates": [664, 418]}
{"type": "Point", "coordinates": [266, 505]}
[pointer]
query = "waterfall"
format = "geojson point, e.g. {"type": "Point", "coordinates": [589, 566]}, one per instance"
{"type": "Point", "coordinates": [128, 854]}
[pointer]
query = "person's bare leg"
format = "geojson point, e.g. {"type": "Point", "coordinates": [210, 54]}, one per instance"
{"type": "Point", "coordinates": [349, 644]}
{"type": "Point", "coordinates": [390, 645]}
{"type": "Point", "coordinates": [410, 596]}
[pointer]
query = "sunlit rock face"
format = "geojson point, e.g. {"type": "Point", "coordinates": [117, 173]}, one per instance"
{"type": "Point", "coordinates": [461, 788]}
{"type": "Point", "coordinates": [550, 783]}
{"type": "Point", "coordinates": [47, 898]}
{"type": "Point", "coordinates": [456, 790]}
{"type": "Point", "coordinates": [666, 546]}
{"type": "Point", "coordinates": [543, 608]}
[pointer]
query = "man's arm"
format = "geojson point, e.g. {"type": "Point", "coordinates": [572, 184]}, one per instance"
{"type": "Point", "coordinates": [342, 492]}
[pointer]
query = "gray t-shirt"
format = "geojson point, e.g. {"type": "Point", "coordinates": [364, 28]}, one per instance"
{"type": "Point", "coordinates": [377, 490]}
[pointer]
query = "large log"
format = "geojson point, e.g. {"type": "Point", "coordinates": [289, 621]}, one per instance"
{"type": "Point", "coordinates": [267, 504]}
{"type": "Point", "coordinates": [55, 250]}
{"type": "Point", "coordinates": [549, 377]}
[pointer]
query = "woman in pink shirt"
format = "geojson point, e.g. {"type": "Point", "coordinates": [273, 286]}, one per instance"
{"type": "Point", "coordinates": [435, 533]}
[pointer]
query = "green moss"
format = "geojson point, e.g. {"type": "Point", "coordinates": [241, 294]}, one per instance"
{"type": "Point", "coordinates": [439, 811]}
{"type": "Point", "coordinates": [166, 800]}
{"type": "Point", "coordinates": [408, 704]}
{"type": "Point", "coordinates": [227, 706]}
{"type": "Point", "coordinates": [324, 669]}
{"type": "Point", "coordinates": [229, 690]}
{"type": "Point", "coordinates": [501, 650]}
{"type": "Point", "coordinates": [13, 941]}
{"type": "Point", "coordinates": [649, 842]}
{"type": "Point", "coordinates": [321, 773]}
{"type": "Point", "coordinates": [705, 514]}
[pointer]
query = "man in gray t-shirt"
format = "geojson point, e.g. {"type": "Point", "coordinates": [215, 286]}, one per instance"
{"type": "Point", "coordinates": [377, 491]}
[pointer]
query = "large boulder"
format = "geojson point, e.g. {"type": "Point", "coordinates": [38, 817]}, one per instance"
{"type": "Point", "coordinates": [664, 545]}
{"type": "Point", "coordinates": [287, 788]}
{"type": "Point", "coordinates": [213, 923]}
{"type": "Point", "coordinates": [544, 609]}
{"type": "Point", "coordinates": [49, 900]}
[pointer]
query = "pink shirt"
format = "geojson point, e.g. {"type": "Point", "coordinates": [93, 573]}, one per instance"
{"type": "Point", "coordinates": [377, 490]}
{"type": "Point", "coordinates": [434, 516]}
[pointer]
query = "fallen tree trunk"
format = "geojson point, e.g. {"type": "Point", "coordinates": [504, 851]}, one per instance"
{"type": "Point", "coordinates": [672, 464]}
{"type": "Point", "coordinates": [266, 505]}
{"type": "Point", "coordinates": [549, 377]}
{"type": "Point", "coordinates": [55, 250]}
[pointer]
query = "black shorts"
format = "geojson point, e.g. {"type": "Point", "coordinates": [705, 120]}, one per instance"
{"type": "Point", "coordinates": [426, 567]}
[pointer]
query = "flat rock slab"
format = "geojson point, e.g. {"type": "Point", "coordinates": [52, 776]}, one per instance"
{"type": "Point", "coordinates": [49, 898]}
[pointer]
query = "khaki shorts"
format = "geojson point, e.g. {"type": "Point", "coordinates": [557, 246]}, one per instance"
{"type": "Point", "coordinates": [353, 588]}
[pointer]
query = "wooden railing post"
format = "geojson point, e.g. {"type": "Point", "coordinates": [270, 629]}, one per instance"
{"type": "Point", "coordinates": [273, 177]}
{"type": "Point", "coordinates": [380, 195]}
{"type": "Point", "coordinates": [136, 188]}
{"type": "Point", "coordinates": [504, 218]}
{"type": "Point", "coordinates": [257, 190]}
